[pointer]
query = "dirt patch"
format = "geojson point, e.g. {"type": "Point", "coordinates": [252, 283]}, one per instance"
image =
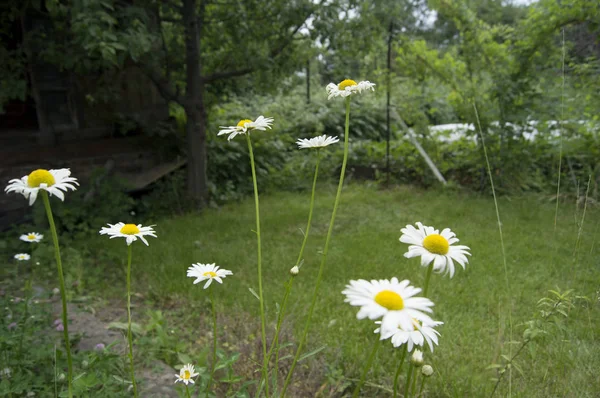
{"type": "Point", "coordinates": [157, 381]}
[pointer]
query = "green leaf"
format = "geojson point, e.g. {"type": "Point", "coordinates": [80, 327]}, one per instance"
{"type": "Point", "coordinates": [313, 352]}
{"type": "Point", "coordinates": [135, 327]}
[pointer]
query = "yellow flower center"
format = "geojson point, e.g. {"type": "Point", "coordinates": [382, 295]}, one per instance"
{"type": "Point", "coordinates": [243, 122]}
{"type": "Point", "coordinates": [186, 374]}
{"type": "Point", "coordinates": [436, 244]}
{"type": "Point", "coordinates": [31, 237]}
{"type": "Point", "coordinates": [346, 83]}
{"type": "Point", "coordinates": [40, 176]}
{"type": "Point", "coordinates": [390, 300]}
{"type": "Point", "coordinates": [210, 274]}
{"type": "Point", "coordinates": [130, 229]}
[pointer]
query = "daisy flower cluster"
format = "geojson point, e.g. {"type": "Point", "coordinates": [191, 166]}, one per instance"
{"type": "Point", "coordinates": [402, 316]}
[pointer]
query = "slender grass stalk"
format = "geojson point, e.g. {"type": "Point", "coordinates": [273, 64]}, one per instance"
{"type": "Point", "coordinates": [129, 334]}
{"type": "Point", "coordinates": [259, 266]}
{"type": "Point", "coordinates": [325, 250]}
{"type": "Point", "coordinates": [427, 277]}
{"type": "Point", "coordinates": [214, 358]}
{"type": "Point", "coordinates": [275, 344]}
{"type": "Point", "coordinates": [562, 118]}
{"type": "Point", "coordinates": [400, 365]}
{"type": "Point", "coordinates": [408, 378]}
{"type": "Point", "coordinates": [489, 170]}
{"type": "Point", "coordinates": [63, 295]}
{"type": "Point", "coordinates": [55, 374]}
{"type": "Point", "coordinates": [579, 232]}
{"type": "Point", "coordinates": [187, 391]}
{"type": "Point", "coordinates": [509, 365]}
{"type": "Point", "coordinates": [367, 367]}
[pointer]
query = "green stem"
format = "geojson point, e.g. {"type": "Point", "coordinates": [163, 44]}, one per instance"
{"type": "Point", "coordinates": [260, 290]}
{"type": "Point", "coordinates": [129, 334]}
{"type": "Point", "coordinates": [325, 250]}
{"type": "Point", "coordinates": [290, 282]}
{"type": "Point", "coordinates": [400, 365]}
{"type": "Point", "coordinates": [408, 377]}
{"type": "Point", "coordinates": [414, 382]}
{"type": "Point", "coordinates": [311, 206]}
{"type": "Point", "coordinates": [427, 277]}
{"type": "Point", "coordinates": [187, 391]}
{"type": "Point", "coordinates": [423, 378]}
{"type": "Point", "coordinates": [63, 295]}
{"type": "Point", "coordinates": [214, 358]}
{"type": "Point", "coordinates": [366, 369]}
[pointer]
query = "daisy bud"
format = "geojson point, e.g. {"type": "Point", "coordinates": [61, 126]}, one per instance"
{"type": "Point", "coordinates": [417, 358]}
{"type": "Point", "coordinates": [55, 290]}
{"type": "Point", "coordinates": [61, 377]}
{"type": "Point", "coordinates": [427, 371]}
{"type": "Point", "coordinates": [294, 270]}
{"type": "Point", "coordinates": [85, 364]}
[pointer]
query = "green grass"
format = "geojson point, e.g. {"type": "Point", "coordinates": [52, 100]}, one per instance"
{"type": "Point", "coordinates": [473, 305]}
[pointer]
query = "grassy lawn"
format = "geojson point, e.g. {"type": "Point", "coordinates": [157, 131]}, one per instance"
{"type": "Point", "coordinates": [474, 305]}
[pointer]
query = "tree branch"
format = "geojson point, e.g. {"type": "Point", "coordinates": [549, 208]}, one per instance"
{"type": "Point", "coordinates": [274, 53]}
{"type": "Point", "coordinates": [162, 85]}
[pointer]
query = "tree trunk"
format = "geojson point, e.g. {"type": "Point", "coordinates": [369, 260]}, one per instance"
{"type": "Point", "coordinates": [194, 106]}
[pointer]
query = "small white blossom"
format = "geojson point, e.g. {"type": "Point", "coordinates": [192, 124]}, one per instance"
{"type": "Point", "coordinates": [348, 87]}
{"type": "Point", "coordinates": [316, 142]}
{"type": "Point", "coordinates": [245, 126]}
{"type": "Point", "coordinates": [207, 272]}
{"type": "Point", "coordinates": [33, 237]}
{"type": "Point", "coordinates": [130, 232]}
{"type": "Point", "coordinates": [186, 374]}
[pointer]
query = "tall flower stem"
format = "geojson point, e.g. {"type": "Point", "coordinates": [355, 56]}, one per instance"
{"type": "Point", "coordinates": [325, 250]}
{"type": "Point", "coordinates": [408, 377]}
{"type": "Point", "coordinates": [422, 385]}
{"type": "Point", "coordinates": [366, 369]}
{"type": "Point", "coordinates": [214, 358]}
{"type": "Point", "coordinates": [427, 278]}
{"type": "Point", "coordinates": [288, 289]}
{"type": "Point", "coordinates": [129, 334]}
{"type": "Point", "coordinates": [260, 290]}
{"type": "Point", "coordinates": [414, 382]}
{"type": "Point", "coordinates": [400, 365]}
{"type": "Point", "coordinates": [187, 391]}
{"type": "Point", "coordinates": [63, 295]}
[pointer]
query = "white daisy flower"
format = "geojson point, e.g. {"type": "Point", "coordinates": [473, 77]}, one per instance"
{"type": "Point", "coordinates": [434, 246]}
{"type": "Point", "coordinates": [348, 87]}
{"type": "Point", "coordinates": [389, 299]}
{"type": "Point", "coordinates": [130, 232]}
{"type": "Point", "coordinates": [22, 256]}
{"type": "Point", "coordinates": [52, 181]}
{"type": "Point", "coordinates": [316, 142]}
{"type": "Point", "coordinates": [186, 374]}
{"type": "Point", "coordinates": [421, 332]}
{"type": "Point", "coordinates": [32, 237]}
{"type": "Point", "coordinates": [245, 125]}
{"type": "Point", "coordinates": [207, 272]}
